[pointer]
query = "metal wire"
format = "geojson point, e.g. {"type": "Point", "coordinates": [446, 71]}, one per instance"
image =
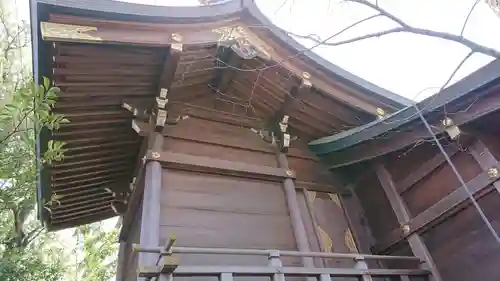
{"type": "Point", "coordinates": [460, 179]}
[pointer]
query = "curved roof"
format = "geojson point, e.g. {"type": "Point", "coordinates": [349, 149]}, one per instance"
{"type": "Point", "coordinates": [245, 10]}
{"type": "Point", "coordinates": [337, 97]}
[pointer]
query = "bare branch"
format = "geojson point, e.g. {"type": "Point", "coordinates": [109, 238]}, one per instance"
{"type": "Point", "coordinates": [16, 128]}
{"type": "Point", "coordinates": [32, 236]}
{"type": "Point", "coordinates": [475, 47]}
{"type": "Point", "coordinates": [380, 10]}
{"type": "Point", "coordinates": [468, 16]}
{"type": "Point", "coordinates": [281, 6]}
{"type": "Point", "coordinates": [456, 69]}
{"type": "Point", "coordinates": [324, 42]}
{"type": "Point", "coordinates": [352, 40]}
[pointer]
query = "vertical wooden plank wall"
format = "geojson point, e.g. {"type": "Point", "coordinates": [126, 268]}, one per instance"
{"type": "Point", "coordinates": [215, 210]}
{"type": "Point", "coordinates": [431, 214]}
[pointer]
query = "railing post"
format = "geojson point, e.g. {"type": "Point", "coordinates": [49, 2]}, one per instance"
{"type": "Point", "coordinates": [226, 276]}
{"type": "Point", "coordinates": [361, 264]}
{"type": "Point", "coordinates": [325, 277]}
{"type": "Point", "coordinates": [275, 261]}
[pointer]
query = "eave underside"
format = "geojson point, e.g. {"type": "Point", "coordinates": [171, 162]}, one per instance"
{"type": "Point", "coordinates": [209, 81]}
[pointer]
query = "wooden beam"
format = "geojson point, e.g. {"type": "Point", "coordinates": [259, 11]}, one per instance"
{"type": "Point", "coordinates": [425, 169]}
{"type": "Point", "coordinates": [484, 158]}
{"type": "Point", "coordinates": [373, 148]}
{"type": "Point", "coordinates": [80, 220]}
{"type": "Point", "coordinates": [123, 34]}
{"type": "Point", "coordinates": [188, 162]}
{"type": "Point", "coordinates": [217, 116]}
{"type": "Point", "coordinates": [322, 187]}
{"type": "Point", "coordinates": [227, 60]}
{"type": "Point", "coordinates": [170, 66]}
{"type": "Point", "coordinates": [417, 245]}
{"type": "Point", "coordinates": [449, 205]}
{"type": "Point", "coordinates": [295, 94]}
{"type": "Point", "coordinates": [279, 122]}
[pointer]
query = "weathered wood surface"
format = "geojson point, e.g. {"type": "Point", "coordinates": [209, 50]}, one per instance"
{"type": "Point", "coordinates": [186, 162]}
{"type": "Point", "coordinates": [417, 245]}
{"type": "Point", "coordinates": [439, 209]}
{"type": "Point", "coordinates": [219, 209]}
{"type": "Point", "coordinates": [298, 226]}
{"type": "Point", "coordinates": [130, 260]}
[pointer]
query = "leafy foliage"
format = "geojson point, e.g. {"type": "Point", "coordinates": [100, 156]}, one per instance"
{"type": "Point", "coordinates": [99, 252]}
{"type": "Point", "coordinates": [29, 265]}
{"type": "Point", "coordinates": [27, 251]}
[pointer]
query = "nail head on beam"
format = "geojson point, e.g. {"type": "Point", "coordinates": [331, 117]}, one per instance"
{"type": "Point", "coordinates": [493, 173]}
{"type": "Point", "coordinates": [176, 37]}
{"type": "Point", "coordinates": [306, 82]}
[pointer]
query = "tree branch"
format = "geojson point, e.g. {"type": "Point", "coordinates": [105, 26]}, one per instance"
{"type": "Point", "coordinates": [404, 27]}
{"type": "Point", "coordinates": [456, 70]}
{"type": "Point", "coordinates": [468, 16]}
{"type": "Point", "coordinates": [381, 11]}
{"type": "Point", "coordinates": [324, 42]}
{"type": "Point", "coordinates": [32, 235]}
{"type": "Point", "coordinates": [16, 129]}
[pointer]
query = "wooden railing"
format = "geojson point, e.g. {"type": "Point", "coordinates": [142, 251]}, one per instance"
{"type": "Point", "coordinates": [167, 266]}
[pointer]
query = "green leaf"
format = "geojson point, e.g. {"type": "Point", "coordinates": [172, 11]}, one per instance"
{"type": "Point", "coordinates": [46, 83]}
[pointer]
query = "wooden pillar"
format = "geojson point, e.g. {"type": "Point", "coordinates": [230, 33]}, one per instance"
{"type": "Point", "coordinates": [403, 215]}
{"type": "Point", "coordinates": [121, 262]}
{"type": "Point", "coordinates": [150, 218]}
{"type": "Point", "coordinates": [299, 230]}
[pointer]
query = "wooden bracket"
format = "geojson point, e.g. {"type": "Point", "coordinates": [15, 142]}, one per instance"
{"type": "Point", "coordinates": [280, 121]}
{"type": "Point", "coordinates": [140, 111]}
{"type": "Point", "coordinates": [120, 200]}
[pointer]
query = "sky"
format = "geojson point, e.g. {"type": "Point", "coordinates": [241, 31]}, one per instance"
{"type": "Point", "coordinates": [405, 64]}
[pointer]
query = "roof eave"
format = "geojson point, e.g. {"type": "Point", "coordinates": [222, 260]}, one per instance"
{"type": "Point", "coordinates": [471, 83]}
{"type": "Point", "coordinates": [392, 99]}
{"type": "Point", "coordinates": [115, 10]}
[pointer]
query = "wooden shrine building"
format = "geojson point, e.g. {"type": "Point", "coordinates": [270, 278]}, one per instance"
{"type": "Point", "coordinates": [264, 160]}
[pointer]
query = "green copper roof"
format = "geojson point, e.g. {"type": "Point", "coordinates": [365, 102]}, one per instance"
{"type": "Point", "coordinates": [343, 140]}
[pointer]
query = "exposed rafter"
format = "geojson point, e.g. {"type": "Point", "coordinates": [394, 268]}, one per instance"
{"type": "Point", "coordinates": [226, 61]}
{"type": "Point", "coordinates": [276, 128]}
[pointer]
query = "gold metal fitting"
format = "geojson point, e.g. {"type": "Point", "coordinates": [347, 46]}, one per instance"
{"type": "Point", "coordinates": [447, 122]}
{"type": "Point", "coordinates": [155, 155]}
{"type": "Point", "coordinates": [289, 173]}
{"type": "Point", "coordinates": [380, 112]}
{"type": "Point", "coordinates": [176, 37]}
{"type": "Point", "coordinates": [493, 173]}
{"type": "Point", "coordinates": [406, 229]}
{"type": "Point", "coordinates": [306, 75]}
